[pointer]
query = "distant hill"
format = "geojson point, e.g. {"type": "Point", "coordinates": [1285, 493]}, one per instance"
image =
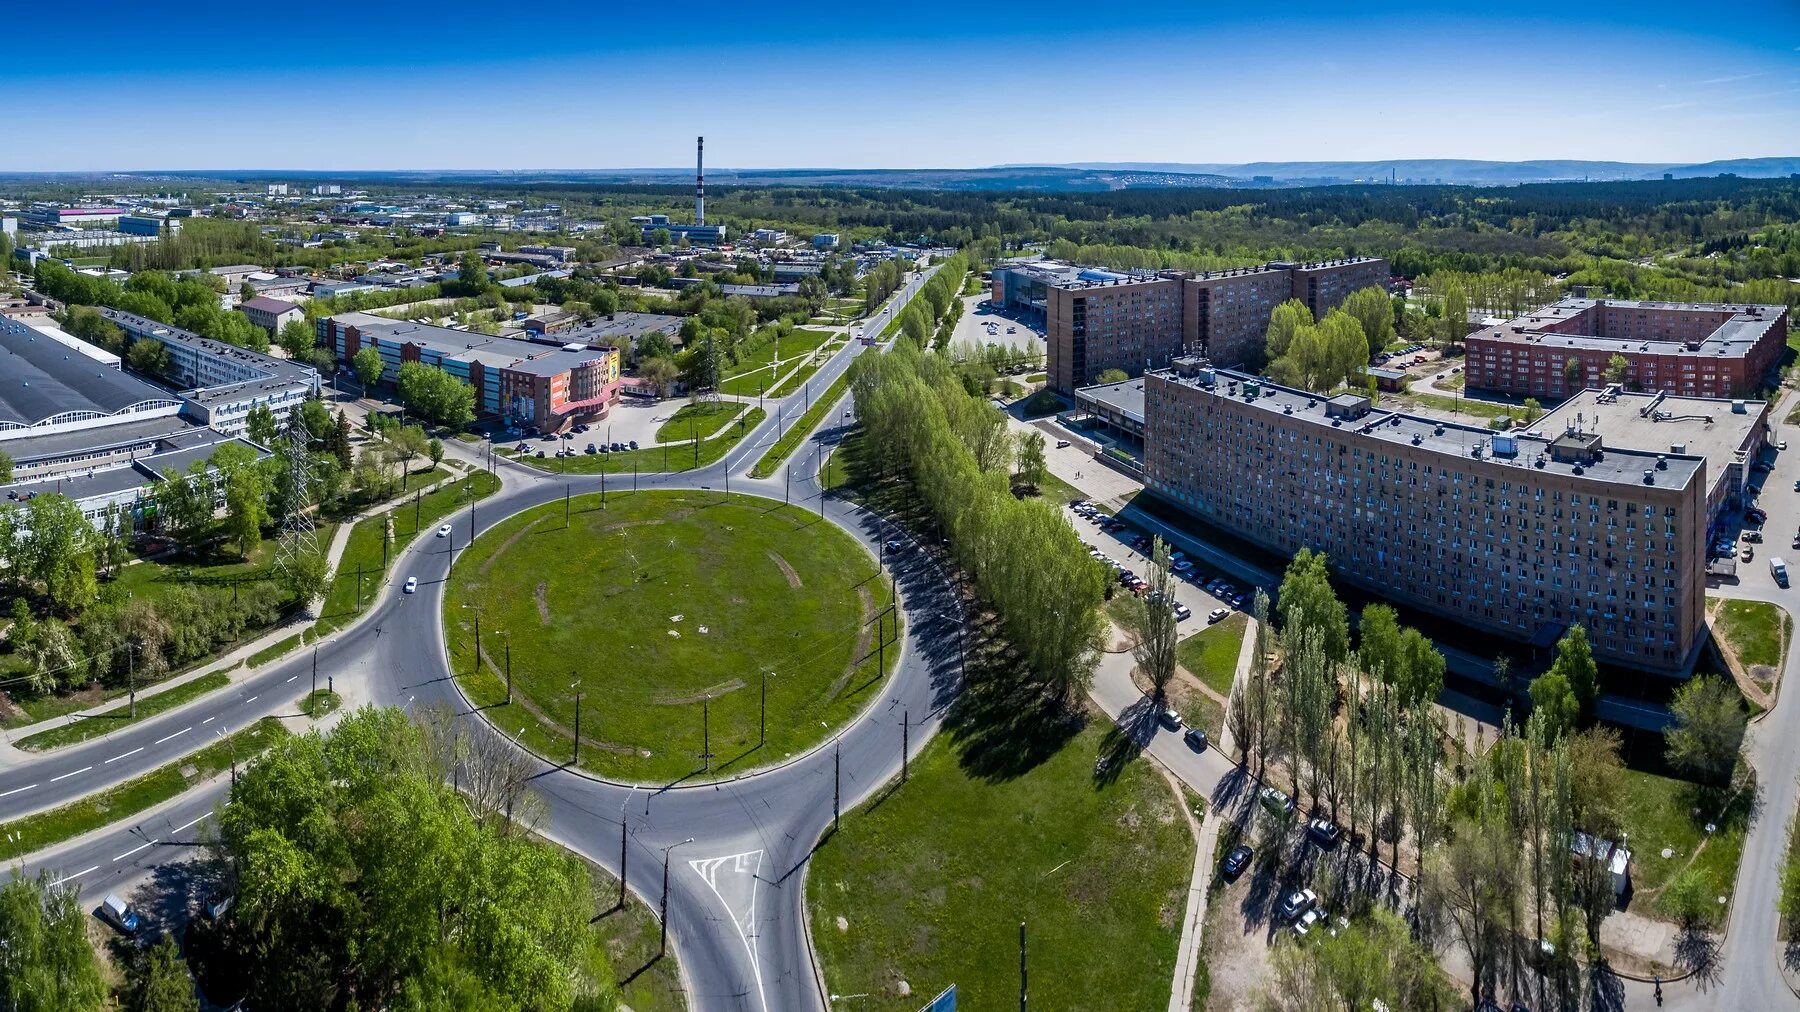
{"type": "Point", "coordinates": [1454, 170]}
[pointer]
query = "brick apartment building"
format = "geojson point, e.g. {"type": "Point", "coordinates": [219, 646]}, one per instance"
{"type": "Point", "coordinates": [1097, 320]}
{"type": "Point", "coordinates": [1690, 349]}
{"type": "Point", "coordinates": [1516, 534]}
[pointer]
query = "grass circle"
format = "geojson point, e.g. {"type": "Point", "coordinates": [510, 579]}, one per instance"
{"type": "Point", "coordinates": [665, 609]}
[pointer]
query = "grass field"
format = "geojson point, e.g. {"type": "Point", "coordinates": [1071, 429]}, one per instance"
{"type": "Point", "coordinates": [1755, 630]}
{"type": "Point", "coordinates": [363, 567]}
{"type": "Point", "coordinates": [801, 428]}
{"type": "Point", "coordinates": [1212, 653]}
{"type": "Point", "coordinates": [119, 716]}
{"type": "Point", "coordinates": [652, 459]}
{"type": "Point", "coordinates": [631, 935]}
{"type": "Point", "coordinates": [799, 376]}
{"type": "Point", "coordinates": [752, 373]}
{"type": "Point", "coordinates": [1661, 812]}
{"type": "Point", "coordinates": [122, 801]}
{"type": "Point", "coordinates": [932, 882]}
{"type": "Point", "coordinates": [666, 608]}
{"type": "Point", "coordinates": [702, 418]}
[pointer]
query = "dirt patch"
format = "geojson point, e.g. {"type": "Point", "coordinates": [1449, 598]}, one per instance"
{"type": "Point", "coordinates": [793, 578]}
{"type": "Point", "coordinates": [863, 640]}
{"type": "Point", "coordinates": [543, 604]}
{"type": "Point", "coordinates": [488, 563]}
{"type": "Point", "coordinates": [710, 692]}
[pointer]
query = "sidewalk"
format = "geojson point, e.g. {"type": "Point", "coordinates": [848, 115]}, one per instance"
{"type": "Point", "coordinates": [238, 656]}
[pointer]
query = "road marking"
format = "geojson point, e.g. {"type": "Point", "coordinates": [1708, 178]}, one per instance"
{"type": "Point", "coordinates": [122, 755]}
{"type": "Point", "coordinates": [132, 851]}
{"type": "Point", "coordinates": [742, 866]}
{"type": "Point", "coordinates": [292, 677]}
{"type": "Point", "coordinates": [177, 734]}
{"type": "Point", "coordinates": [16, 790]}
{"type": "Point", "coordinates": [66, 776]}
{"type": "Point", "coordinates": [252, 699]}
{"type": "Point", "coordinates": [78, 874]}
{"type": "Point", "coordinates": [210, 719]}
{"type": "Point", "coordinates": [202, 818]}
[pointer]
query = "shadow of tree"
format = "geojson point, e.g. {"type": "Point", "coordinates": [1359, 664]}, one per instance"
{"type": "Point", "coordinates": [1124, 741]}
{"type": "Point", "coordinates": [1606, 991]}
{"type": "Point", "coordinates": [1698, 951]}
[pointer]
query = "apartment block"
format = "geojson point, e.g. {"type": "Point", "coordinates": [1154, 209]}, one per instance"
{"type": "Point", "coordinates": [1689, 349]}
{"type": "Point", "coordinates": [1519, 534]}
{"type": "Point", "coordinates": [1132, 324]}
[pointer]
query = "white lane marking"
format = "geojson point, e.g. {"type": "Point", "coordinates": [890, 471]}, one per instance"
{"type": "Point", "coordinates": [745, 867]}
{"type": "Point", "coordinates": [66, 776]}
{"type": "Point", "coordinates": [122, 755]}
{"type": "Point", "coordinates": [132, 851]}
{"type": "Point", "coordinates": [78, 874]}
{"type": "Point", "coordinates": [292, 677]}
{"type": "Point", "coordinates": [200, 819]}
{"type": "Point", "coordinates": [252, 699]}
{"type": "Point", "coordinates": [210, 719]}
{"type": "Point", "coordinates": [16, 790]}
{"type": "Point", "coordinates": [177, 734]}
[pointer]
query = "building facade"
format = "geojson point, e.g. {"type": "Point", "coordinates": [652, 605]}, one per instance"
{"type": "Point", "coordinates": [1131, 324]}
{"type": "Point", "coordinates": [1520, 535]}
{"type": "Point", "coordinates": [1690, 349]}
{"type": "Point", "coordinates": [223, 382]}
{"type": "Point", "coordinates": [271, 314]}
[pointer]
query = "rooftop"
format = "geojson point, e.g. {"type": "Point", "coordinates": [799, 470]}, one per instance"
{"type": "Point", "coordinates": [467, 345]}
{"type": "Point", "coordinates": [1126, 397]}
{"type": "Point", "coordinates": [268, 305]}
{"type": "Point", "coordinates": [40, 379]}
{"type": "Point", "coordinates": [1580, 324]}
{"type": "Point", "coordinates": [619, 328]}
{"type": "Point", "coordinates": [264, 371]}
{"type": "Point", "coordinates": [1655, 423]}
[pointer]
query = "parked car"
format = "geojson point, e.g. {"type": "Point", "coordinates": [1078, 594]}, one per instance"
{"type": "Point", "coordinates": [1196, 739]}
{"type": "Point", "coordinates": [1181, 565]}
{"type": "Point", "coordinates": [1236, 860]}
{"type": "Point", "coordinates": [1747, 554]}
{"type": "Point", "coordinates": [1754, 537]}
{"type": "Point", "coordinates": [1297, 903]}
{"type": "Point", "coordinates": [1062, 444]}
{"type": "Point", "coordinates": [1183, 612]}
{"type": "Point", "coordinates": [444, 531]}
{"type": "Point", "coordinates": [1307, 921]}
{"type": "Point", "coordinates": [119, 914]}
{"type": "Point", "coordinates": [522, 448]}
{"type": "Point", "coordinates": [1216, 615]}
{"type": "Point", "coordinates": [1169, 718]}
{"type": "Point", "coordinates": [592, 449]}
{"type": "Point", "coordinates": [1275, 800]}
{"type": "Point", "coordinates": [412, 585]}
{"type": "Point", "coordinates": [1324, 831]}
{"type": "Point", "coordinates": [634, 444]}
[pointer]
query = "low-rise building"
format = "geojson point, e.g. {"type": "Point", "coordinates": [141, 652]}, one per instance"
{"type": "Point", "coordinates": [271, 314]}
{"type": "Point", "coordinates": [223, 382]}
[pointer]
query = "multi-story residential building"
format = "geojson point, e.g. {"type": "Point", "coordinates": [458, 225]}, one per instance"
{"type": "Point", "coordinates": [1222, 314]}
{"type": "Point", "coordinates": [222, 382]}
{"type": "Point", "coordinates": [547, 387]}
{"type": "Point", "coordinates": [1691, 349]}
{"type": "Point", "coordinates": [1519, 534]}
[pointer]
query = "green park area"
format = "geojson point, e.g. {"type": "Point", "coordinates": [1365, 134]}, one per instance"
{"type": "Point", "coordinates": [758, 369]}
{"type": "Point", "coordinates": [666, 609]}
{"type": "Point", "coordinates": [1701, 830]}
{"type": "Point", "coordinates": [1757, 633]}
{"type": "Point", "coordinates": [1211, 654]}
{"type": "Point", "coordinates": [927, 885]}
{"type": "Point", "coordinates": [697, 420]}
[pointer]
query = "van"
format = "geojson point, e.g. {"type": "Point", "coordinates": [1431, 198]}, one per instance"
{"type": "Point", "coordinates": [119, 914]}
{"type": "Point", "coordinates": [1778, 569]}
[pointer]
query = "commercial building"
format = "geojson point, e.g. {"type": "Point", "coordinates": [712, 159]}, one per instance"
{"type": "Point", "coordinates": [48, 384]}
{"type": "Point", "coordinates": [1691, 349]}
{"type": "Point", "coordinates": [700, 235]}
{"type": "Point", "coordinates": [615, 330]}
{"type": "Point", "coordinates": [146, 224]}
{"type": "Point", "coordinates": [549, 387]}
{"type": "Point", "coordinates": [271, 314]}
{"type": "Point", "coordinates": [1599, 515]}
{"type": "Point", "coordinates": [222, 382]}
{"type": "Point", "coordinates": [1098, 319]}
{"type": "Point", "coordinates": [49, 216]}
{"type": "Point", "coordinates": [825, 240]}
{"type": "Point", "coordinates": [760, 291]}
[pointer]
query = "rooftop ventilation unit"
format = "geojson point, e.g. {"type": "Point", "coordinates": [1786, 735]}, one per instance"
{"type": "Point", "coordinates": [1662, 462]}
{"type": "Point", "coordinates": [1649, 476]}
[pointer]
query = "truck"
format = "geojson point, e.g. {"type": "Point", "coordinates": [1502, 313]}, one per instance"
{"type": "Point", "coordinates": [1778, 569]}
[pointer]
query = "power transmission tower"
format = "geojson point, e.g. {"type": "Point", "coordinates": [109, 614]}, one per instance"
{"type": "Point", "coordinates": [298, 541]}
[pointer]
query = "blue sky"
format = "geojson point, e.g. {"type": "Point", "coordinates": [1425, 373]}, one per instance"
{"type": "Point", "coordinates": [456, 84]}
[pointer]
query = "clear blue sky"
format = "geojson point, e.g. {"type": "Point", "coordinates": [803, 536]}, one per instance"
{"type": "Point", "coordinates": [456, 84]}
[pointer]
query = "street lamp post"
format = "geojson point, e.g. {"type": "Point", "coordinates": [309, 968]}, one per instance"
{"type": "Point", "coordinates": [576, 685]}
{"type": "Point", "coordinates": [663, 946]}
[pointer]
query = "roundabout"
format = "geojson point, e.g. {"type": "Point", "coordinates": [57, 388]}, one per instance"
{"type": "Point", "coordinates": [704, 636]}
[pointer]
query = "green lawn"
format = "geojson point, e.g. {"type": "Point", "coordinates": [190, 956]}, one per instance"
{"type": "Point", "coordinates": [279, 648]}
{"type": "Point", "coordinates": [799, 429]}
{"type": "Point", "coordinates": [120, 716]}
{"type": "Point", "coordinates": [1660, 812]}
{"type": "Point", "coordinates": [659, 602]}
{"type": "Point", "coordinates": [115, 804]}
{"type": "Point", "coordinates": [799, 376]}
{"type": "Point", "coordinates": [932, 882]}
{"type": "Point", "coordinates": [1057, 490]}
{"type": "Point", "coordinates": [631, 935]}
{"type": "Point", "coordinates": [363, 567]}
{"type": "Point", "coordinates": [652, 459]}
{"type": "Point", "coordinates": [702, 418]}
{"type": "Point", "coordinates": [1755, 630]}
{"type": "Point", "coordinates": [1212, 653]}
{"type": "Point", "coordinates": [752, 373]}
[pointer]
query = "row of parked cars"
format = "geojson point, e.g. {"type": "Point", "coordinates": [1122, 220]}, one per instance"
{"type": "Point", "coordinates": [1182, 566]}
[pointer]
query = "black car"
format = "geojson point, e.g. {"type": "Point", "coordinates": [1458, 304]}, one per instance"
{"type": "Point", "coordinates": [1196, 739]}
{"type": "Point", "coordinates": [634, 444]}
{"type": "Point", "coordinates": [1236, 860]}
{"type": "Point", "coordinates": [591, 448]}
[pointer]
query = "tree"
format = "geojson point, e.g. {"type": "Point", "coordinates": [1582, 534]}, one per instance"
{"type": "Point", "coordinates": [303, 575]}
{"type": "Point", "coordinates": [1157, 635]}
{"type": "Point", "coordinates": [297, 337]}
{"type": "Point", "coordinates": [406, 444]}
{"type": "Point", "coordinates": [246, 509]}
{"type": "Point", "coordinates": [159, 981]}
{"type": "Point", "coordinates": [184, 504]}
{"type": "Point", "coordinates": [6, 467]}
{"type": "Point", "coordinates": [1616, 367]}
{"type": "Point", "coordinates": [1421, 675]}
{"type": "Point", "coordinates": [1553, 704]}
{"type": "Point", "coordinates": [261, 425]}
{"type": "Point", "coordinates": [47, 963]}
{"type": "Point", "coordinates": [1378, 648]}
{"type": "Point", "coordinates": [148, 356]}
{"type": "Point", "coordinates": [1575, 662]}
{"type": "Point", "coordinates": [655, 344]}
{"type": "Point", "coordinates": [1030, 451]}
{"type": "Point", "coordinates": [59, 552]}
{"type": "Point", "coordinates": [435, 450]}
{"type": "Point", "coordinates": [367, 365]}
{"type": "Point", "coordinates": [661, 373]}
{"type": "Point", "coordinates": [435, 394]}
{"type": "Point", "coordinates": [1307, 598]}
{"type": "Point", "coordinates": [1286, 320]}
{"type": "Point", "coordinates": [471, 271]}
{"type": "Point", "coordinates": [1374, 310]}
{"type": "Point", "coordinates": [338, 442]}
{"type": "Point", "coordinates": [1533, 410]}
{"type": "Point", "coordinates": [1112, 376]}
{"type": "Point", "coordinates": [1709, 729]}
{"type": "Point", "coordinates": [1456, 315]}
{"type": "Point", "coordinates": [1571, 370]}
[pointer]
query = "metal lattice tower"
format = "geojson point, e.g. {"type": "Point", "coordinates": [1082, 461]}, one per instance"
{"type": "Point", "coordinates": [298, 537]}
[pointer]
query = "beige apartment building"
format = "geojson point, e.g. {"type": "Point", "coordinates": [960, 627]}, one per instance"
{"type": "Point", "coordinates": [1518, 534]}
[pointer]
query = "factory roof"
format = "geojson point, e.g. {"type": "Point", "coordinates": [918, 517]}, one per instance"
{"type": "Point", "coordinates": [260, 371]}
{"type": "Point", "coordinates": [40, 379]}
{"type": "Point", "coordinates": [267, 305]}
{"type": "Point", "coordinates": [25, 449]}
{"type": "Point", "coordinates": [611, 330]}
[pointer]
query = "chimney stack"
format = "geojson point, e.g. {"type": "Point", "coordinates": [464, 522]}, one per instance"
{"type": "Point", "coordinates": [700, 182]}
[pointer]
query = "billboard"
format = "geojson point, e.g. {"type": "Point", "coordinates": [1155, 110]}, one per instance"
{"type": "Point", "coordinates": [945, 1002]}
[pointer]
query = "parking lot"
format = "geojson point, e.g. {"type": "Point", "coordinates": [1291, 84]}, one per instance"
{"type": "Point", "coordinates": [1201, 596]}
{"type": "Point", "coordinates": [990, 326]}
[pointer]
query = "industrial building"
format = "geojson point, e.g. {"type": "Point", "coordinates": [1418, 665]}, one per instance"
{"type": "Point", "coordinates": [1600, 514]}
{"type": "Point", "coordinates": [271, 314]}
{"type": "Point", "coordinates": [544, 386]}
{"type": "Point", "coordinates": [1096, 319]}
{"type": "Point", "coordinates": [222, 382]}
{"type": "Point", "coordinates": [1691, 349]}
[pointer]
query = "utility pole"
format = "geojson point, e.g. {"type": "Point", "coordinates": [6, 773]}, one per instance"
{"type": "Point", "coordinates": [602, 486]}
{"type": "Point", "coordinates": [624, 855]}
{"type": "Point", "coordinates": [1021, 966]}
{"type": "Point", "coordinates": [705, 735]}
{"type": "Point", "coordinates": [315, 675]}
{"type": "Point", "coordinates": [576, 761]}
{"type": "Point", "coordinates": [131, 670]}
{"type": "Point", "coordinates": [837, 784]}
{"type": "Point", "coordinates": [905, 722]}
{"type": "Point", "coordinates": [359, 571]}
{"type": "Point", "coordinates": [787, 483]}
{"type": "Point", "coordinates": [565, 505]}
{"type": "Point", "coordinates": [509, 672]}
{"type": "Point", "coordinates": [416, 511]}
{"type": "Point", "coordinates": [663, 947]}
{"type": "Point", "coordinates": [477, 668]}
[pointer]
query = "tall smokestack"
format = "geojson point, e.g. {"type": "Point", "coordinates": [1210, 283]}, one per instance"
{"type": "Point", "coordinates": [700, 182]}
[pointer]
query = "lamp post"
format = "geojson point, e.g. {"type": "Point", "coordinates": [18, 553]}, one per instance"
{"type": "Point", "coordinates": [663, 946]}
{"type": "Point", "coordinates": [576, 685]}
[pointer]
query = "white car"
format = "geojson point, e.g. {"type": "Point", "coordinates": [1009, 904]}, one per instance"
{"type": "Point", "coordinates": [1216, 615]}
{"type": "Point", "coordinates": [412, 584]}
{"type": "Point", "coordinates": [444, 531]}
{"type": "Point", "coordinates": [1307, 921]}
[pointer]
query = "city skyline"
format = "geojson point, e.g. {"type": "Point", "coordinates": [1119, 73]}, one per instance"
{"type": "Point", "coordinates": [826, 87]}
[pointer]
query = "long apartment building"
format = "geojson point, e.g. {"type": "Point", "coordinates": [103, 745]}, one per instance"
{"type": "Point", "coordinates": [1599, 515]}
{"type": "Point", "coordinates": [1097, 320]}
{"type": "Point", "coordinates": [223, 381]}
{"type": "Point", "coordinates": [1689, 349]}
{"type": "Point", "coordinates": [545, 386]}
